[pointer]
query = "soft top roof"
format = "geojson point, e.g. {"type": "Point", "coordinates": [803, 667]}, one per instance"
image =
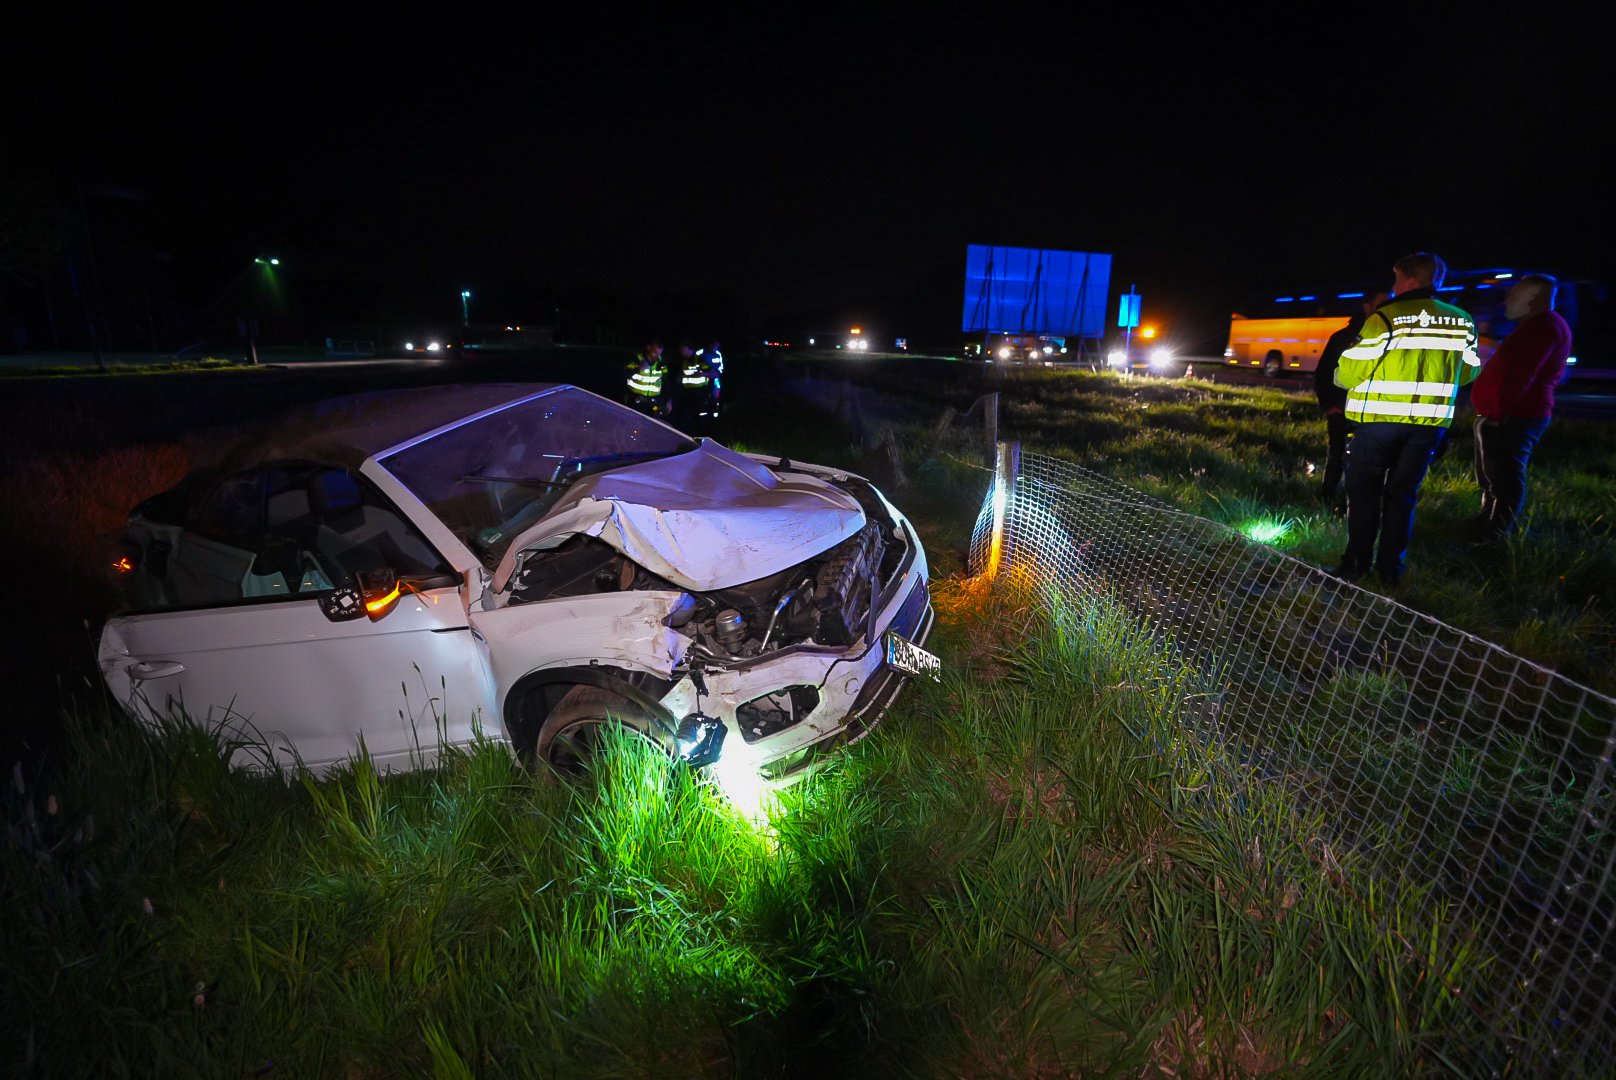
{"type": "Point", "coordinates": [348, 430]}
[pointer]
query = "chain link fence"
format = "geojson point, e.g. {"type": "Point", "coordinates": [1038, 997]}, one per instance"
{"type": "Point", "coordinates": [1457, 787]}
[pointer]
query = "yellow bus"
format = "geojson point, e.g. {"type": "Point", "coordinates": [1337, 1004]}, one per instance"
{"type": "Point", "coordinates": [1286, 334]}
{"type": "Point", "coordinates": [1280, 345]}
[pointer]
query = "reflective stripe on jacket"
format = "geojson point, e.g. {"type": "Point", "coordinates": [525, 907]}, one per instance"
{"type": "Point", "coordinates": [1409, 361]}
{"type": "Point", "coordinates": [645, 376]}
{"type": "Point", "coordinates": [648, 383]}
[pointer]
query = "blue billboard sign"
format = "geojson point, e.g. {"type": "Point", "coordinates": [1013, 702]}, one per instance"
{"type": "Point", "coordinates": [1035, 290]}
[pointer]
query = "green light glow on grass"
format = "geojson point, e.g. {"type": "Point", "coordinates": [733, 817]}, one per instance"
{"type": "Point", "coordinates": [736, 776]}
{"type": "Point", "coordinates": [1266, 532]}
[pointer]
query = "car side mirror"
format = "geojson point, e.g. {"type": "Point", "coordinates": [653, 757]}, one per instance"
{"type": "Point", "coordinates": [379, 591]}
{"type": "Point", "coordinates": [342, 603]}
{"type": "Point", "coordinates": [374, 593]}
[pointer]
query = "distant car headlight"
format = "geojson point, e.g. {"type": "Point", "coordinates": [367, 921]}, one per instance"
{"type": "Point", "coordinates": [1117, 358]}
{"type": "Point", "coordinates": [1048, 350]}
{"type": "Point", "coordinates": [1004, 352]}
{"type": "Point", "coordinates": [1161, 358]}
{"type": "Point", "coordinates": [433, 346]}
{"type": "Point", "coordinates": [409, 346]}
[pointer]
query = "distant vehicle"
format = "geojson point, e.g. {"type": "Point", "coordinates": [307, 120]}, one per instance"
{"type": "Point", "coordinates": [431, 343]}
{"type": "Point", "coordinates": [400, 567]}
{"type": "Point", "coordinates": [1025, 348]}
{"type": "Point", "coordinates": [1148, 350]}
{"type": "Point", "coordinates": [1278, 345]}
{"type": "Point", "coordinates": [1286, 334]}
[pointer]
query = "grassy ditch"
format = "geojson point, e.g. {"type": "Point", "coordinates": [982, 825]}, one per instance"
{"type": "Point", "coordinates": [1000, 882]}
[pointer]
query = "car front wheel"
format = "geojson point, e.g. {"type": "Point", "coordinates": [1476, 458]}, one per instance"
{"type": "Point", "coordinates": [573, 732]}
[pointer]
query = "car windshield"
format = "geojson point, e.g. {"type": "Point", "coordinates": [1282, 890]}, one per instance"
{"type": "Point", "coordinates": [489, 479]}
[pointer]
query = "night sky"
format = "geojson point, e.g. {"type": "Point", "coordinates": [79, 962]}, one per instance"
{"type": "Point", "coordinates": [824, 166]}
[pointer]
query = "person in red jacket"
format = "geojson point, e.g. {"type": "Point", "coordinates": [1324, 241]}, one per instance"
{"type": "Point", "coordinates": [1514, 398]}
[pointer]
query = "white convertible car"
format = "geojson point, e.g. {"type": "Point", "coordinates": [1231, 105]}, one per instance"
{"type": "Point", "coordinates": [532, 561]}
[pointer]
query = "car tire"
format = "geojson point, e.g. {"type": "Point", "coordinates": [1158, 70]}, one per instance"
{"type": "Point", "coordinates": [570, 734]}
{"type": "Point", "coordinates": [1272, 365]}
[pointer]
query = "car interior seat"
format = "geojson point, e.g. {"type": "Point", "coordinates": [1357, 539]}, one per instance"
{"type": "Point", "coordinates": [359, 535]}
{"type": "Point", "coordinates": [509, 497]}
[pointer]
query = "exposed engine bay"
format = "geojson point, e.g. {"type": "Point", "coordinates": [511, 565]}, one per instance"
{"type": "Point", "coordinates": [824, 601]}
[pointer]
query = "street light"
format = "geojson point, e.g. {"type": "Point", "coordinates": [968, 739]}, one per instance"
{"type": "Point", "coordinates": [268, 262]}
{"type": "Point", "coordinates": [465, 307]}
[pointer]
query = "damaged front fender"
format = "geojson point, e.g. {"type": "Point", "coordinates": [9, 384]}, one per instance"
{"type": "Point", "coordinates": [628, 630]}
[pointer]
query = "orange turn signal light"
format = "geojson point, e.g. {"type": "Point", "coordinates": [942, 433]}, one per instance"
{"type": "Point", "coordinates": [378, 607]}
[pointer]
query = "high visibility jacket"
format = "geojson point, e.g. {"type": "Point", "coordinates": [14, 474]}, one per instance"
{"type": "Point", "coordinates": [645, 376]}
{"type": "Point", "coordinates": [698, 372]}
{"type": "Point", "coordinates": [1409, 361]}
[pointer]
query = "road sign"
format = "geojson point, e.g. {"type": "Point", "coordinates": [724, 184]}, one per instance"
{"type": "Point", "coordinates": [1128, 311]}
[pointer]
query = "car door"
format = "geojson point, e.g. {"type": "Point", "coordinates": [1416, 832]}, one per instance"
{"type": "Point", "coordinates": [245, 640]}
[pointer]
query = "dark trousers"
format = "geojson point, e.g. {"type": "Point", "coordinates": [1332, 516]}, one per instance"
{"type": "Point", "coordinates": [1503, 448]}
{"type": "Point", "coordinates": [1337, 427]}
{"type": "Point", "coordinates": [1386, 464]}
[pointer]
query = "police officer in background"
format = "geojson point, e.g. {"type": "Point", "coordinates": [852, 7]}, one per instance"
{"type": "Point", "coordinates": [1333, 399]}
{"type": "Point", "coordinates": [713, 355]}
{"type": "Point", "coordinates": [1402, 376]}
{"type": "Point", "coordinates": [646, 388]}
{"type": "Point", "coordinates": [699, 383]}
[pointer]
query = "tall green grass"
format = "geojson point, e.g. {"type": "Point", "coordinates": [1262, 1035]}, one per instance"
{"type": "Point", "coordinates": [1013, 877]}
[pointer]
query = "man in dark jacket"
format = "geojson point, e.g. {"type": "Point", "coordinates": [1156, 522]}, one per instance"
{"type": "Point", "coordinates": [1514, 398]}
{"type": "Point", "coordinates": [1333, 398]}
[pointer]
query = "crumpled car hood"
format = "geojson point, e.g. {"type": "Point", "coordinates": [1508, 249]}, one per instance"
{"type": "Point", "coordinates": [704, 520]}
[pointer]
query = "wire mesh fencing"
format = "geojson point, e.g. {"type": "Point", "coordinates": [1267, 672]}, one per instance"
{"type": "Point", "coordinates": [1470, 786]}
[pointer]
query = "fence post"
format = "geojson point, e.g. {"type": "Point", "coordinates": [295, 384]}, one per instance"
{"type": "Point", "coordinates": [1006, 467]}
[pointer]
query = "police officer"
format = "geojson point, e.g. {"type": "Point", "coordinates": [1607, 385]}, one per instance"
{"type": "Point", "coordinates": [647, 378]}
{"type": "Point", "coordinates": [700, 371]}
{"type": "Point", "coordinates": [1402, 376]}
{"type": "Point", "coordinates": [713, 355]}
